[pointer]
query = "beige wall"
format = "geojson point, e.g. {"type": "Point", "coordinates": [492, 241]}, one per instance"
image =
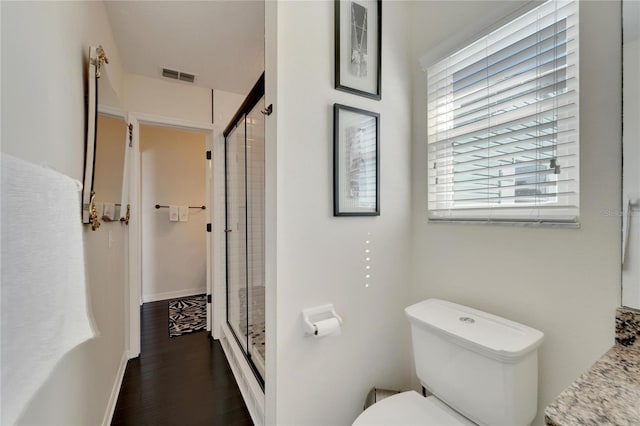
{"type": "Point", "coordinates": [173, 253]}
{"type": "Point", "coordinates": [565, 282]}
{"type": "Point", "coordinates": [45, 48]}
{"type": "Point", "coordinates": [110, 145]}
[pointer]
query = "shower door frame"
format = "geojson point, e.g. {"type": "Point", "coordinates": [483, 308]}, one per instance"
{"type": "Point", "coordinates": [250, 102]}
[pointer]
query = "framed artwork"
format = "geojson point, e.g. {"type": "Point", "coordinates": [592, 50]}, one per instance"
{"type": "Point", "coordinates": [356, 163]}
{"type": "Point", "coordinates": [358, 38]}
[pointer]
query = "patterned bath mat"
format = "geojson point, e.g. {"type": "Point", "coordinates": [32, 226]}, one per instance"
{"type": "Point", "coordinates": [187, 315]}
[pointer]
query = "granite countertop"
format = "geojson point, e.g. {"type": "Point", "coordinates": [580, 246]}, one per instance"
{"type": "Point", "coordinates": [609, 392]}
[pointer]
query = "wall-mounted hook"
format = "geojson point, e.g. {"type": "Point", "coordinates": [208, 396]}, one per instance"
{"type": "Point", "coordinates": [268, 110]}
{"type": "Point", "coordinates": [630, 203]}
{"type": "Point", "coordinates": [93, 213]}
{"type": "Point", "coordinates": [126, 218]}
{"type": "Point", "coordinates": [100, 60]}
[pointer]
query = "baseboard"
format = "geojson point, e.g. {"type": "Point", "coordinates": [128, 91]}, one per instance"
{"type": "Point", "coordinates": [173, 294]}
{"type": "Point", "coordinates": [250, 389]}
{"type": "Point", "coordinates": [113, 399]}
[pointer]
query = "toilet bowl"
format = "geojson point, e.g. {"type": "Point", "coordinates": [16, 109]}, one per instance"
{"type": "Point", "coordinates": [410, 409]}
{"type": "Point", "coordinates": [481, 369]}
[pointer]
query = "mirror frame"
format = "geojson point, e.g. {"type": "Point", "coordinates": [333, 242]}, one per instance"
{"type": "Point", "coordinates": [97, 59]}
{"type": "Point", "coordinates": [96, 70]}
{"type": "Point", "coordinates": [630, 21]}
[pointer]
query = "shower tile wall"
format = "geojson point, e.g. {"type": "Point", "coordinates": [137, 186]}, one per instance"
{"type": "Point", "coordinates": [255, 194]}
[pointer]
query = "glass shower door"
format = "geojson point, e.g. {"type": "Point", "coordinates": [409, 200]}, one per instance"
{"type": "Point", "coordinates": [236, 233]}
{"type": "Point", "coordinates": [244, 159]}
{"type": "Point", "coordinates": [255, 234]}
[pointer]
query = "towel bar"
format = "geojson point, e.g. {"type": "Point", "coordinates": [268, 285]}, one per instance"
{"type": "Point", "coordinates": [158, 206]}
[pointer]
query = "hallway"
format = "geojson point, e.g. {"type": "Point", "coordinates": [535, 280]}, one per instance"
{"type": "Point", "coordinates": [182, 380]}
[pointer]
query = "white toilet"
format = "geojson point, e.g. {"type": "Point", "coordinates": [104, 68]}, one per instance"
{"type": "Point", "coordinates": [480, 368]}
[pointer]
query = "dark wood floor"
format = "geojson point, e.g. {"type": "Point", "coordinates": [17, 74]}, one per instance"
{"type": "Point", "coordinates": [182, 380]}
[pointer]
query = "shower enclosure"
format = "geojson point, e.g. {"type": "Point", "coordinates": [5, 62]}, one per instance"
{"type": "Point", "coordinates": [244, 199]}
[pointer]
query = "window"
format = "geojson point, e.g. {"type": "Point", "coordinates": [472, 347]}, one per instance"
{"type": "Point", "coordinates": [503, 123]}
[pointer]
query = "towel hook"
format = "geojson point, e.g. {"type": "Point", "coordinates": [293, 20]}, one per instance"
{"type": "Point", "coordinates": [268, 110]}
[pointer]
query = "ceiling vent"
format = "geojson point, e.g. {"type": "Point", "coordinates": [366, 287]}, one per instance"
{"type": "Point", "coordinates": [178, 75]}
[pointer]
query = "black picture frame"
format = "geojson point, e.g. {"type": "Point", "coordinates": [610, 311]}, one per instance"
{"type": "Point", "coordinates": [353, 39]}
{"type": "Point", "coordinates": [356, 161]}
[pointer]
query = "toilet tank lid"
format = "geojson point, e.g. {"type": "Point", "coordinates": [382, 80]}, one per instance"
{"type": "Point", "coordinates": [479, 330]}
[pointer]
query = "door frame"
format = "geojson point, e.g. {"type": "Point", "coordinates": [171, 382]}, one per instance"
{"type": "Point", "coordinates": [134, 291]}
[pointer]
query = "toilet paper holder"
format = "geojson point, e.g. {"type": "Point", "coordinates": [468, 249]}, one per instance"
{"type": "Point", "coordinates": [318, 313]}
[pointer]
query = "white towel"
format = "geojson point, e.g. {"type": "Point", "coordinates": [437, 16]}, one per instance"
{"type": "Point", "coordinates": [109, 212]}
{"type": "Point", "coordinates": [44, 301]}
{"type": "Point", "coordinates": [173, 213]}
{"type": "Point", "coordinates": [184, 213]}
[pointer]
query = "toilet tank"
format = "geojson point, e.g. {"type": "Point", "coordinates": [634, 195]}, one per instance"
{"type": "Point", "coordinates": [481, 365]}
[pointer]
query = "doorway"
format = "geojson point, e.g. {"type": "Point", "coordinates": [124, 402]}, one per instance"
{"type": "Point", "coordinates": [173, 208]}
{"type": "Point", "coordinates": [168, 258]}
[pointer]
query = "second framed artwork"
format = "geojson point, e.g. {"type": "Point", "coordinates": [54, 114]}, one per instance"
{"type": "Point", "coordinates": [356, 162]}
{"type": "Point", "coordinates": [358, 39]}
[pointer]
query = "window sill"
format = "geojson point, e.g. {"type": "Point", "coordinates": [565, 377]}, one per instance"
{"type": "Point", "coordinates": [527, 224]}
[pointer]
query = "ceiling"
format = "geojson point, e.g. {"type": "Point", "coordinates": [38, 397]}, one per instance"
{"type": "Point", "coordinates": [221, 42]}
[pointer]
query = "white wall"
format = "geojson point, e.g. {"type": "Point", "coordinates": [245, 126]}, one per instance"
{"type": "Point", "coordinates": [321, 258]}
{"type": "Point", "coordinates": [272, 364]}
{"type": "Point", "coordinates": [163, 97]}
{"type": "Point", "coordinates": [182, 101]}
{"type": "Point", "coordinates": [565, 282]}
{"type": "Point", "coordinates": [173, 253]}
{"type": "Point", "coordinates": [28, 95]}
{"type": "Point", "coordinates": [225, 105]}
{"type": "Point", "coordinates": [45, 49]}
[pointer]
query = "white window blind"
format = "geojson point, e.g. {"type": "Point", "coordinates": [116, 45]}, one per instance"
{"type": "Point", "coordinates": [503, 123]}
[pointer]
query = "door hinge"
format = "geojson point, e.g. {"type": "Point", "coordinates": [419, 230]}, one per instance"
{"type": "Point", "coordinates": [130, 135]}
{"type": "Point", "coordinates": [208, 155]}
{"type": "Point", "coordinates": [208, 298]}
{"type": "Point", "coordinates": [208, 227]}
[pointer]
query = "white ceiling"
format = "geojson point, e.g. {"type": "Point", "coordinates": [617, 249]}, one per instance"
{"type": "Point", "coordinates": [221, 42]}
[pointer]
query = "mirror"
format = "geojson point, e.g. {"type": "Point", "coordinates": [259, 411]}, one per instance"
{"type": "Point", "coordinates": [631, 153]}
{"type": "Point", "coordinates": [104, 191]}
